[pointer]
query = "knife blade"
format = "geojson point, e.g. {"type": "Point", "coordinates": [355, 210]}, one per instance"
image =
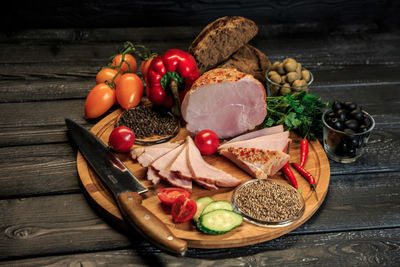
{"type": "Point", "coordinates": [126, 189]}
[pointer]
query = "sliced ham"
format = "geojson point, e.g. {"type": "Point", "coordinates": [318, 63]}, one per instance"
{"type": "Point", "coordinates": [180, 165]}
{"type": "Point", "coordinates": [277, 141]}
{"type": "Point", "coordinates": [136, 152]}
{"type": "Point", "coordinates": [205, 172]}
{"type": "Point", "coordinates": [153, 176]}
{"type": "Point", "coordinates": [257, 162]}
{"type": "Point", "coordinates": [162, 166]}
{"type": "Point", "coordinates": [226, 101]}
{"type": "Point", "coordinates": [258, 133]}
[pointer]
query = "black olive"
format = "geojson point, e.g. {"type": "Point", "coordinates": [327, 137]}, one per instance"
{"type": "Point", "coordinates": [341, 115]}
{"type": "Point", "coordinates": [349, 105]}
{"type": "Point", "coordinates": [367, 122]}
{"type": "Point", "coordinates": [336, 124]}
{"type": "Point", "coordinates": [351, 124]}
{"type": "Point", "coordinates": [362, 128]}
{"type": "Point", "coordinates": [351, 152]}
{"type": "Point", "coordinates": [349, 131]}
{"type": "Point", "coordinates": [357, 114]}
{"type": "Point", "coordinates": [331, 115]}
{"type": "Point", "coordinates": [336, 106]}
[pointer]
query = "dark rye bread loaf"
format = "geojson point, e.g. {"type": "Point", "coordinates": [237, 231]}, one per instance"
{"type": "Point", "coordinates": [250, 60]}
{"type": "Point", "coordinates": [220, 39]}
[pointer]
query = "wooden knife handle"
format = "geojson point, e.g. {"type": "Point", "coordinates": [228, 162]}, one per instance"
{"type": "Point", "coordinates": [149, 225]}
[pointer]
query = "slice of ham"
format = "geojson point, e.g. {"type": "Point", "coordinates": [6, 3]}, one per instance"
{"type": "Point", "coordinates": [162, 166]}
{"type": "Point", "coordinates": [226, 101]}
{"type": "Point", "coordinates": [257, 162]}
{"type": "Point", "coordinates": [255, 134]}
{"type": "Point", "coordinates": [153, 176]}
{"type": "Point", "coordinates": [136, 152]}
{"type": "Point", "coordinates": [205, 172]}
{"type": "Point", "coordinates": [180, 165]}
{"type": "Point", "coordinates": [277, 141]}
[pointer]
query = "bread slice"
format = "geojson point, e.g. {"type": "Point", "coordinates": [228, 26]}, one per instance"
{"type": "Point", "coordinates": [259, 163]}
{"type": "Point", "coordinates": [220, 39]}
{"type": "Point", "coordinates": [250, 60]}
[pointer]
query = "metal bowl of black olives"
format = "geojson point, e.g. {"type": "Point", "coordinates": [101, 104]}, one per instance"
{"type": "Point", "coordinates": [347, 128]}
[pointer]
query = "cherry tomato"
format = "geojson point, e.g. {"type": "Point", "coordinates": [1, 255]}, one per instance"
{"type": "Point", "coordinates": [207, 142]}
{"type": "Point", "coordinates": [100, 99]}
{"type": "Point", "coordinates": [183, 209]}
{"type": "Point", "coordinates": [107, 75]}
{"type": "Point", "coordinates": [121, 139]}
{"type": "Point", "coordinates": [129, 90]}
{"type": "Point", "coordinates": [168, 195]}
{"type": "Point", "coordinates": [144, 67]}
{"type": "Point", "coordinates": [129, 65]}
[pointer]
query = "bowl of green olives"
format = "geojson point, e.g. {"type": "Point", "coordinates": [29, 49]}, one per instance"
{"type": "Point", "coordinates": [347, 128]}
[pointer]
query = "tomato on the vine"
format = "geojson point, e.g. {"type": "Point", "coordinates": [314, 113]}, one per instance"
{"type": "Point", "coordinates": [107, 75]}
{"type": "Point", "coordinates": [183, 209]}
{"type": "Point", "coordinates": [207, 141]}
{"type": "Point", "coordinates": [144, 67]}
{"type": "Point", "coordinates": [129, 90]}
{"type": "Point", "coordinates": [168, 195]}
{"type": "Point", "coordinates": [100, 99]}
{"type": "Point", "coordinates": [121, 139]}
{"type": "Point", "coordinates": [129, 64]}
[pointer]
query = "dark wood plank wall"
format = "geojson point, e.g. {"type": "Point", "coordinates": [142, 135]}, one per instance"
{"type": "Point", "coordinates": [45, 75]}
{"type": "Point", "coordinates": [142, 13]}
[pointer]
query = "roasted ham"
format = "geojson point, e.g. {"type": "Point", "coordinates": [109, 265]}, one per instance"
{"type": "Point", "coordinates": [277, 141]}
{"type": "Point", "coordinates": [258, 163]}
{"type": "Point", "coordinates": [226, 101]}
{"type": "Point", "coordinates": [255, 134]}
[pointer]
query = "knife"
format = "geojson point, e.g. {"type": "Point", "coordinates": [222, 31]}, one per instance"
{"type": "Point", "coordinates": [126, 189]}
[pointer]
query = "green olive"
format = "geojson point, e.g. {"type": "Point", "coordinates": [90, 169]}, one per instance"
{"type": "Point", "coordinates": [290, 66]}
{"type": "Point", "coordinates": [285, 89]}
{"type": "Point", "coordinates": [272, 72]}
{"type": "Point", "coordinates": [275, 65]}
{"type": "Point", "coordinates": [274, 89]}
{"type": "Point", "coordinates": [292, 76]}
{"type": "Point", "coordinates": [283, 79]}
{"type": "Point", "coordinates": [298, 85]}
{"type": "Point", "coordinates": [280, 69]}
{"type": "Point", "coordinates": [298, 68]}
{"type": "Point", "coordinates": [305, 75]}
{"type": "Point", "coordinates": [276, 78]}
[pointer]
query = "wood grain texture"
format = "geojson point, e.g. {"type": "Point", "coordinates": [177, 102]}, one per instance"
{"type": "Point", "coordinates": [44, 227]}
{"type": "Point", "coordinates": [368, 247]}
{"type": "Point", "coordinates": [179, 13]}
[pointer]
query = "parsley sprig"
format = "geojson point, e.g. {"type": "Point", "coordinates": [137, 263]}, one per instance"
{"type": "Point", "coordinates": [299, 112]}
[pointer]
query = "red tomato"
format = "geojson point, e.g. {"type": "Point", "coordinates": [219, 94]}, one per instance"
{"type": "Point", "coordinates": [107, 75]}
{"type": "Point", "coordinates": [144, 67]}
{"type": "Point", "coordinates": [183, 209]}
{"type": "Point", "coordinates": [129, 90]}
{"type": "Point", "coordinates": [168, 195]}
{"type": "Point", "coordinates": [121, 139]}
{"type": "Point", "coordinates": [129, 65]}
{"type": "Point", "coordinates": [100, 99]}
{"type": "Point", "coordinates": [207, 142]}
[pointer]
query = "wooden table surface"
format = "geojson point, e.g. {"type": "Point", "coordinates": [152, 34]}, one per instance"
{"type": "Point", "coordinates": [46, 220]}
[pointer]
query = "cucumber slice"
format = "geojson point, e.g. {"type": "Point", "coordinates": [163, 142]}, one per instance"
{"type": "Point", "coordinates": [201, 204]}
{"type": "Point", "coordinates": [217, 205]}
{"type": "Point", "coordinates": [219, 221]}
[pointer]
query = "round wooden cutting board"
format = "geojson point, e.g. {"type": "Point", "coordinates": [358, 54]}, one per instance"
{"type": "Point", "coordinates": [246, 234]}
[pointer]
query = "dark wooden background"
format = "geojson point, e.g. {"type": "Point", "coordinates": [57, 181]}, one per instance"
{"type": "Point", "coordinates": [49, 54]}
{"type": "Point", "coordinates": [142, 13]}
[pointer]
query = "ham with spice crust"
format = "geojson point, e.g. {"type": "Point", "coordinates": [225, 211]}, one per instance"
{"type": "Point", "coordinates": [277, 141]}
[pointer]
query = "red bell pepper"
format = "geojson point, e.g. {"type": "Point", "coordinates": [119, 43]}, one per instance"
{"type": "Point", "coordinates": [169, 78]}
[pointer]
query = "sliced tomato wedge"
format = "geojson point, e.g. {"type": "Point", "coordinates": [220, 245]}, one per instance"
{"type": "Point", "coordinates": [168, 195]}
{"type": "Point", "coordinates": [183, 209]}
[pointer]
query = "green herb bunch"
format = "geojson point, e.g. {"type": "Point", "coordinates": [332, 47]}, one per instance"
{"type": "Point", "coordinates": [299, 112]}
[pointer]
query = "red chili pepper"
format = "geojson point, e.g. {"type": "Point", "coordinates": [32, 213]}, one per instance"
{"type": "Point", "coordinates": [304, 152]}
{"type": "Point", "coordinates": [307, 175]}
{"type": "Point", "coordinates": [169, 78]}
{"type": "Point", "coordinates": [289, 174]}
